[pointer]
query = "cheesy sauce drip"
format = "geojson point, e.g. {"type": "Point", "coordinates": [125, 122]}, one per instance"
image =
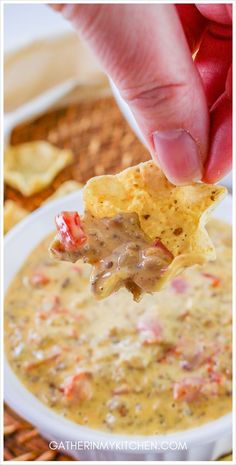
{"type": "Point", "coordinates": [122, 254]}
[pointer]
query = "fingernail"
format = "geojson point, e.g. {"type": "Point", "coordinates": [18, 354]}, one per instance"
{"type": "Point", "coordinates": [177, 154]}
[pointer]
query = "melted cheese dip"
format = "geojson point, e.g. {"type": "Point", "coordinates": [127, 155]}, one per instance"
{"type": "Point", "coordinates": [160, 365]}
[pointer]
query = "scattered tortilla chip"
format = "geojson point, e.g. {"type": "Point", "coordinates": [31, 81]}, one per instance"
{"type": "Point", "coordinates": [65, 188]}
{"type": "Point", "coordinates": [32, 166]}
{"type": "Point", "coordinates": [13, 213]}
{"type": "Point", "coordinates": [226, 458]}
{"type": "Point", "coordinates": [174, 214]}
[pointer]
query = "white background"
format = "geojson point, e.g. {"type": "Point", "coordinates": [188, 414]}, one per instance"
{"type": "Point", "coordinates": [26, 22]}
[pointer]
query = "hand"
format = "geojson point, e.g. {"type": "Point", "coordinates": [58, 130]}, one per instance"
{"type": "Point", "coordinates": [183, 108]}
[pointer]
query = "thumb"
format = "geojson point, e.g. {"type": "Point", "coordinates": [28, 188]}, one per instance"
{"type": "Point", "coordinates": [144, 50]}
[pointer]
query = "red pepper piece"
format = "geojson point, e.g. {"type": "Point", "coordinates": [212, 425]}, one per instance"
{"type": "Point", "coordinates": [159, 244]}
{"type": "Point", "coordinates": [70, 230]}
{"type": "Point", "coordinates": [39, 278]}
{"type": "Point", "coordinates": [215, 281]}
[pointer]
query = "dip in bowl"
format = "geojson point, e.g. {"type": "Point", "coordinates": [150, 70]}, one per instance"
{"type": "Point", "coordinates": [158, 370]}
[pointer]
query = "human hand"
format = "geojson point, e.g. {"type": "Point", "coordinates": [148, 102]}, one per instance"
{"type": "Point", "coordinates": [183, 108]}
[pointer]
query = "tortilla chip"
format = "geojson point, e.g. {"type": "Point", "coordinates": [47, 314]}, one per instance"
{"type": "Point", "coordinates": [32, 166]}
{"type": "Point", "coordinates": [175, 214]}
{"type": "Point", "coordinates": [13, 213]}
{"type": "Point", "coordinates": [65, 188]}
{"type": "Point", "coordinates": [226, 458]}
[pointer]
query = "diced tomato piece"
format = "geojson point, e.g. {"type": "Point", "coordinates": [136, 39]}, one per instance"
{"type": "Point", "coordinates": [188, 389]}
{"type": "Point", "coordinates": [39, 278]}
{"type": "Point", "coordinates": [216, 377]}
{"type": "Point", "coordinates": [78, 387]}
{"type": "Point", "coordinates": [150, 330]}
{"type": "Point", "coordinates": [209, 364]}
{"type": "Point", "coordinates": [70, 230]}
{"type": "Point", "coordinates": [215, 281]}
{"type": "Point", "coordinates": [159, 245]}
{"type": "Point", "coordinates": [180, 285]}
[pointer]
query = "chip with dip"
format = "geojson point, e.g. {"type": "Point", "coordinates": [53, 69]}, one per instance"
{"type": "Point", "coordinates": [138, 229]}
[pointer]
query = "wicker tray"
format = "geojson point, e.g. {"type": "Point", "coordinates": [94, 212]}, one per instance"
{"type": "Point", "coordinates": [97, 134]}
{"type": "Point", "coordinates": [23, 442]}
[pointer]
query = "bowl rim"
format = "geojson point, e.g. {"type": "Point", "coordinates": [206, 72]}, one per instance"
{"type": "Point", "coordinates": [47, 420]}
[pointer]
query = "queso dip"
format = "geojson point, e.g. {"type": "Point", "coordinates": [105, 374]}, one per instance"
{"type": "Point", "coordinates": [160, 365]}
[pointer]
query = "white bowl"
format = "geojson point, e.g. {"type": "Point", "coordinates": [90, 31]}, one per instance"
{"type": "Point", "coordinates": [207, 442]}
